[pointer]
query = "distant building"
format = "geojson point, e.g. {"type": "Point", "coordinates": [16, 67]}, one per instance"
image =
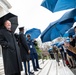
{"type": "Point", "coordinates": [4, 7]}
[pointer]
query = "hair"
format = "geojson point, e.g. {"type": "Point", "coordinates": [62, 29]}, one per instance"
{"type": "Point", "coordinates": [74, 27]}
{"type": "Point", "coordinates": [5, 21]}
{"type": "Point", "coordinates": [70, 36]}
{"type": "Point", "coordinates": [63, 44]}
{"type": "Point", "coordinates": [28, 35]}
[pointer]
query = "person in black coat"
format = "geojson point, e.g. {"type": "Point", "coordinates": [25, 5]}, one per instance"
{"type": "Point", "coordinates": [33, 53]}
{"type": "Point", "coordinates": [72, 43]}
{"type": "Point", "coordinates": [10, 50]}
{"type": "Point", "coordinates": [24, 49]}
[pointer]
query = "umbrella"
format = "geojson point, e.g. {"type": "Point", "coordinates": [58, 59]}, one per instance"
{"type": "Point", "coordinates": [11, 17]}
{"type": "Point", "coordinates": [62, 42]}
{"type": "Point", "coordinates": [49, 4]}
{"type": "Point", "coordinates": [55, 30]}
{"type": "Point", "coordinates": [58, 5]}
{"type": "Point", "coordinates": [69, 32]}
{"type": "Point", "coordinates": [34, 32]}
{"type": "Point", "coordinates": [55, 44]}
{"type": "Point", "coordinates": [69, 16]}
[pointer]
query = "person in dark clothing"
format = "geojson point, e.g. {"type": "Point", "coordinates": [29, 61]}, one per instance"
{"type": "Point", "coordinates": [63, 54]}
{"type": "Point", "coordinates": [24, 49]}
{"type": "Point", "coordinates": [10, 50]}
{"type": "Point", "coordinates": [75, 29]}
{"type": "Point", "coordinates": [16, 36]}
{"type": "Point", "coordinates": [51, 54]}
{"type": "Point", "coordinates": [55, 50]}
{"type": "Point", "coordinates": [75, 34]}
{"type": "Point", "coordinates": [33, 53]}
{"type": "Point", "coordinates": [72, 41]}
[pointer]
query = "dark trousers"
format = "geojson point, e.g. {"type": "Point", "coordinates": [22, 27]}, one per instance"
{"type": "Point", "coordinates": [64, 56]}
{"type": "Point", "coordinates": [34, 58]}
{"type": "Point", "coordinates": [27, 65]}
{"type": "Point", "coordinates": [15, 73]}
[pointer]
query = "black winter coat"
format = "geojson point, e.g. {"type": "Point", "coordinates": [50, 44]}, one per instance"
{"type": "Point", "coordinates": [23, 48]}
{"type": "Point", "coordinates": [11, 52]}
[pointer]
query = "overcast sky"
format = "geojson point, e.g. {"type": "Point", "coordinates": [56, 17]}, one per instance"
{"type": "Point", "coordinates": [32, 15]}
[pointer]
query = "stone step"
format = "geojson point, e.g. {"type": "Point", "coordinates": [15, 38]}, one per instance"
{"type": "Point", "coordinates": [49, 67]}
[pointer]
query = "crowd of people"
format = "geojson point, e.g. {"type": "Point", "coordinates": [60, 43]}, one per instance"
{"type": "Point", "coordinates": [17, 49]}
{"type": "Point", "coordinates": [67, 51]}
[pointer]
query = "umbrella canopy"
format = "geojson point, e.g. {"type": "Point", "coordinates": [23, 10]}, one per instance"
{"type": "Point", "coordinates": [69, 16]}
{"type": "Point", "coordinates": [69, 32]}
{"type": "Point", "coordinates": [55, 30]}
{"type": "Point", "coordinates": [34, 32]}
{"type": "Point", "coordinates": [62, 42]}
{"type": "Point", "coordinates": [55, 44]}
{"type": "Point", "coordinates": [11, 17]}
{"type": "Point", "coordinates": [58, 5]}
{"type": "Point", "coordinates": [49, 4]}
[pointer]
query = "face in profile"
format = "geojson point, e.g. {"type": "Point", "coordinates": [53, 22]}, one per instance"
{"type": "Point", "coordinates": [7, 25]}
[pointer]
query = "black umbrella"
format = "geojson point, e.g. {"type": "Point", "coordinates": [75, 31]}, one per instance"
{"type": "Point", "coordinates": [11, 17]}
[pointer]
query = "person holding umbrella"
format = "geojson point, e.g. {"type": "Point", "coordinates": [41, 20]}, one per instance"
{"type": "Point", "coordinates": [10, 50]}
